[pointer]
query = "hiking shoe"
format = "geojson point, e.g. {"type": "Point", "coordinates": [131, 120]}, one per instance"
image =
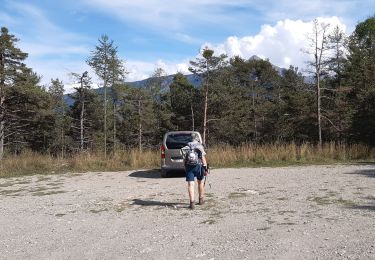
{"type": "Point", "coordinates": [192, 205]}
{"type": "Point", "coordinates": [201, 201]}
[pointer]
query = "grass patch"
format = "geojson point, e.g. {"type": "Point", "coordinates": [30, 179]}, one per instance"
{"type": "Point", "coordinates": [122, 206]}
{"type": "Point", "coordinates": [95, 211]}
{"type": "Point", "coordinates": [263, 228]}
{"type": "Point", "coordinates": [43, 178]}
{"type": "Point", "coordinates": [326, 200]}
{"type": "Point", "coordinates": [236, 195]}
{"type": "Point", "coordinates": [287, 224]}
{"type": "Point", "coordinates": [11, 192]}
{"type": "Point", "coordinates": [209, 221]}
{"type": "Point", "coordinates": [55, 184]}
{"type": "Point", "coordinates": [6, 184]}
{"type": "Point", "coordinates": [47, 193]}
{"type": "Point", "coordinates": [320, 200]}
{"type": "Point", "coordinates": [345, 202]}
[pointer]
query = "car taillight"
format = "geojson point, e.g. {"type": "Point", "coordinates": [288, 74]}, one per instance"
{"type": "Point", "coordinates": [162, 149]}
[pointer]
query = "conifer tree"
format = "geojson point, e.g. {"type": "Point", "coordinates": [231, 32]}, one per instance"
{"type": "Point", "coordinates": [205, 67]}
{"type": "Point", "coordinates": [11, 65]}
{"type": "Point", "coordinates": [109, 68]}
{"type": "Point", "coordinates": [359, 75]}
{"type": "Point", "coordinates": [59, 107]}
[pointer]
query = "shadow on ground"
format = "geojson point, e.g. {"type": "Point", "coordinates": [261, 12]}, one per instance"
{"type": "Point", "coordinates": [368, 206]}
{"type": "Point", "coordinates": [155, 174]}
{"type": "Point", "coordinates": [363, 207]}
{"type": "Point", "coordinates": [368, 173]}
{"type": "Point", "coordinates": [157, 203]}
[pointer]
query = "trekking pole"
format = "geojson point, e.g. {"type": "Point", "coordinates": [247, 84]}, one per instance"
{"type": "Point", "coordinates": [206, 177]}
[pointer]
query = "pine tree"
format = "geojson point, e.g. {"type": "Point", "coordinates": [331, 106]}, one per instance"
{"type": "Point", "coordinates": [84, 82]}
{"type": "Point", "coordinates": [359, 75]}
{"type": "Point", "coordinates": [109, 68]}
{"type": "Point", "coordinates": [185, 102]}
{"type": "Point", "coordinates": [139, 118]}
{"type": "Point", "coordinates": [11, 65]}
{"type": "Point", "coordinates": [205, 67]}
{"type": "Point", "coordinates": [60, 109]}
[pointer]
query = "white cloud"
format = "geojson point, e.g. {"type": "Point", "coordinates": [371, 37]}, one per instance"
{"type": "Point", "coordinates": [281, 43]}
{"type": "Point", "coordinates": [139, 70]}
{"type": "Point", "coordinates": [179, 16]}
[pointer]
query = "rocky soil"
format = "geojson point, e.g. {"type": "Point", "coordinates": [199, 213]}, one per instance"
{"type": "Point", "coordinates": [312, 212]}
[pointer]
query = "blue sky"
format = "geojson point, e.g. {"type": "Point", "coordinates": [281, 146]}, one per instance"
{"type": "Point", "coordinates": [59, 35]}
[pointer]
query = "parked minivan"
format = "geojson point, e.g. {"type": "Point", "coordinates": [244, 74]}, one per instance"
{"type": "Point", "coordinates": [171, 157]}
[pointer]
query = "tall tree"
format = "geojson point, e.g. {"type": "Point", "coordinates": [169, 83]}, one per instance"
{"type": "Point", "coordinates": [109, 68]}
{"type": "Point", "coordinates": [11, 65]}
{"type": "Point", "coordinates": [205, 67]}
{"type": "Point", "coordinates": [87, 119]}
{"type": "Point", "coordinates": [185, 100]}
{"type": "Point", "coordinates": [138, 114]}
{"type": "Point", "coordinates": [158, 90]}
{"type": "Point", "coordinates": [334, 96]}
{"type": "Point", "coordinates": [336, 43]}
{"type": "Point", "coordinates": [28, 114]}
{"type": "Point", "coordinates": [318, 42]}
{"type": "Point", "coordinates": [59, 107]}
{"type": "Point", "coordinates": [297, 118]}
{"type": "Point", "coordinates": [359, 75]}
{"type": "Point", "coordinates": [84, 82]}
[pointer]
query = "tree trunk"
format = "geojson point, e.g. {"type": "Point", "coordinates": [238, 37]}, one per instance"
{"type": "Point", "coordinates": [105, 119]}
{"type": "Point", "coordinates": [2, 109]}
{"type": "Point", "coordinates": [192, 116]}
{"type": "Point", "coordinates": [205, 105]}
{"type": "Point", "coordinates": [114, 127]}
{"type": "Point", "coordinates": [140, 126]}
{"type": "Point", "coordinates": [318, 96]}
{"type": "Point", "coordinates": [62, 143]}
{"type": "Point", "coordinates": [81, 126]}
{"type": "Point", "coordinates": [254, 116]}
{"type": "Point", "coordinates": [205, 115]}
{"type": "Point", "coordinates": [2, 134]}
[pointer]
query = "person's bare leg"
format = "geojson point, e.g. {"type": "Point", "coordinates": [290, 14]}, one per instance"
{"type": "Point", "coordinates": [191, 192]}
{"type": "Point", "coordinates": [201, 191]}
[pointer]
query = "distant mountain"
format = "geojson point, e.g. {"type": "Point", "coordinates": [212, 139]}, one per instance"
{"type": "Point", "coordinates": [193, 79]}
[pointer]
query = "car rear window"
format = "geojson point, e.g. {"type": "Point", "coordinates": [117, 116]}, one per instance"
{"type": "Point", "coordinates": [177, 141]}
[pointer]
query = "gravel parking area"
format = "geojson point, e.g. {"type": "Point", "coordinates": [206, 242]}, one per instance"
{"type": "Point", "coordinates": [309, 212]}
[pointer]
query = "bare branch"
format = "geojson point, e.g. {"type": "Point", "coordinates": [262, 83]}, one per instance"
{"type": "Point", "coordinates": [329, 89]}
{"type": "Point", "coordinates": [338, 129]}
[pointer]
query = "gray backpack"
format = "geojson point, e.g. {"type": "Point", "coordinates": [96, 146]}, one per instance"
{"type": "Point", "coordinates": [191, 155]}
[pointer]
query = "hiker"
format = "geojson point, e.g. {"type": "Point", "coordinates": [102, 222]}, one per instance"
{"type": "Point", "coordinates": [195, 167]}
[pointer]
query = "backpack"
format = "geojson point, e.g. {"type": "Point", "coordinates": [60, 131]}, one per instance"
{"type": "Point", "coordinates": [191, 155]}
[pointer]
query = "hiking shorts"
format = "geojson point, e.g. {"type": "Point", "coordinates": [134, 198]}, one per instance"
{"type": "Point", "coordinates": [194, 171]}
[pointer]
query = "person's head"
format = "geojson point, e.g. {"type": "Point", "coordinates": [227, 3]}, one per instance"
{"type": "Point", "coordinates": [195, 137]}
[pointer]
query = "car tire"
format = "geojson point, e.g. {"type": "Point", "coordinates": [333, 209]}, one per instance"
{"type": "Point", "coordinates": [164, 173]}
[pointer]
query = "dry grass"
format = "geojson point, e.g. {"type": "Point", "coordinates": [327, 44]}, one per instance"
{"type": "Point", "coordinates": [29, 163]}
{"type": "Point", "coordinates": [287, 154]}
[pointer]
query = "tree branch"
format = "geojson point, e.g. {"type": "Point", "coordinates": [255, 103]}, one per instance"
{"type": "Point", "coordinates": [331, 123]}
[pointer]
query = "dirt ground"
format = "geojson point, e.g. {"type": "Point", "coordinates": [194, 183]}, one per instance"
{"type": "Point", "coordinates": [312, 212]}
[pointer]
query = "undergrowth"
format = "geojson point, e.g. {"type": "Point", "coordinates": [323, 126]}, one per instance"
{"type": "Point", "coordinates": [272, 155]}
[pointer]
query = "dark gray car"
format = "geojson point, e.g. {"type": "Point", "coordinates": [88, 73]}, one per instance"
{"type": "Point", "coordinates": [171, 158]}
